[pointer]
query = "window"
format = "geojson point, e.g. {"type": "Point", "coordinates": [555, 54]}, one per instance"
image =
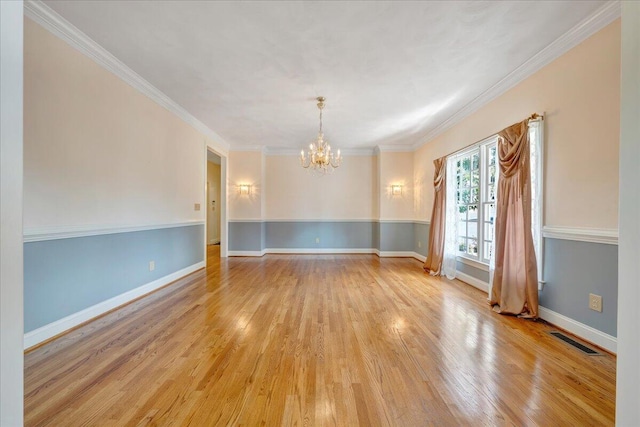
{"type": "Point", "coordinates": [475, 200]}
{"type": "Point", "coordinates": [476, 182]}
{"type": "Point", "coordinates": [489, 198]}
{"type": "Point", "coordinates": [535, 138]}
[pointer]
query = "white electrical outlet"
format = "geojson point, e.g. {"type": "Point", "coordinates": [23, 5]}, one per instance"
{"type": "Point", "coordinates": [595, 302]}
{"type": "Point", "coordinates": [152, 265]}
{"type": "Point", "coordinates": [419, 244]}
{"type": "Point", "coordinates": [317, 240]}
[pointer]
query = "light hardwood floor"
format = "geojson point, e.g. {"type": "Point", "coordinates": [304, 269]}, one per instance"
{"type": "Point", "coordinates": [315, 340]}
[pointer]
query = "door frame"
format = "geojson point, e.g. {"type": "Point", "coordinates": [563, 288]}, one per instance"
{"type": "Point", "coordinates": [223, 206]}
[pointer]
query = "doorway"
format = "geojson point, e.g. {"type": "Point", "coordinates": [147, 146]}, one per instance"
{"type": "Point", "coordinates": [213, 193]}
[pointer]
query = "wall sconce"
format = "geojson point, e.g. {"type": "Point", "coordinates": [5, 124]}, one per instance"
{"type": "Point", "coordinates": [396, 190]}
{"type": "Point", "coordinates": [245, 189]}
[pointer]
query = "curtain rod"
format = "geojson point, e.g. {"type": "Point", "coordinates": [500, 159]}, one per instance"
{"type": "Point", "coordinates": [535, 117]}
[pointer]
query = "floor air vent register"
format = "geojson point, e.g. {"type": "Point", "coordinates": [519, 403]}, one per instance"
{"type": "Point", "coordinates": [583, 348]}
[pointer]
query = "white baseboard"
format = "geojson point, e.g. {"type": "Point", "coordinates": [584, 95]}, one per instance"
{"type": "Point", "coordinates": [401, 254]}
{"type": "Point", "coordinates": [311, 251]}
{"type": "Point", "coordinates": [581, 330]}
{"type": "Point", "coordinates": [304, 251]}
{"type": "Point", "coordinates": [59, 326]}
{"type": "Point", "coordinates": [419, 257]}
{"type": "Point", "coordinates": [470, 280]}
{"type": "Point", "coordinates": [246, 253]}
{"type": "Point", "coordinates": [319, 251]}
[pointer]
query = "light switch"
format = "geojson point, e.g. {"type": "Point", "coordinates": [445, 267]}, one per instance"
{"type": "Point", "coordinates": [196, 207]}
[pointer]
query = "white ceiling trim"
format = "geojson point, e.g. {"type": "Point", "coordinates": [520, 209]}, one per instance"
{"type": "Point", "coordinates": [253, 148]}
{"type": "Point", "coordinates": [56, 24]}
{"type": "Point", "coordinates": [296, 152]}
{"type": "Point", "coordinates": [395, 148]}
{"type": "Point", "coordinates": [589, 26]}
{"type": "Point", "coordinates": [63, 29]}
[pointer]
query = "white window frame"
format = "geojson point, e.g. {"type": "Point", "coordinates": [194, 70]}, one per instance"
{"type": "Point", "coordinates": [484, 196]}
{"type": "Point", "coordinates": [482, 147]}
{"type": "Point", "coordinates": [537, 202]}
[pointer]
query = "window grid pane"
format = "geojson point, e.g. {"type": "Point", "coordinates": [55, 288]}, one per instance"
{"type": "Point", "coordinates": [469, 185]}
{"type": "Point", "coordinates": [488, 197]}
{"type": "Point", "coordinates": [476, 192]}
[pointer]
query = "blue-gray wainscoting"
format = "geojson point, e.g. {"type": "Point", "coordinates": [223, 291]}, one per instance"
{"type": "Point", "coordinates": [65, 276]}
{"type": "Point", "coordinates": [573, 270]}
{"type": "Point", "coordinates": [472, 271]}
{"type": "Point", "coordinates": [247, 237]}
{"type": "Point", "coordinates": [421, 238]}
{"type": "Point", "coordinates": [396, 236]}
{"type": "Point", "coordinates": [331, 235]}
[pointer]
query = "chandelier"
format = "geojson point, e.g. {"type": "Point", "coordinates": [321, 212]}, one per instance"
{"type": "Point", "coordinates": [320, 158]}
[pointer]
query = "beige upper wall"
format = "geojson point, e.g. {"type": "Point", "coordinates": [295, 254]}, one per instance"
{"type": "Point", "coordinates": [99, 153]}
{"type": "Point", "coordinates": [359, 190]}
{"type": "Point", "coordinates": [96, 151]}
{"type": "Point", "coordinates": [396, 169]}
{"type": "Point", "coordinates": [580, 96]}
{"type": "Point", "coordinates": [246, 168]}
{"type": "Point", "coordinates": [296, 193]}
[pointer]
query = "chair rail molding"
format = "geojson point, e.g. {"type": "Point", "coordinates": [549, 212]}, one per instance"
{"type": "Point", "coordinates": [38, 234]}
{"type": "Point", "coordinates": [591, 235]}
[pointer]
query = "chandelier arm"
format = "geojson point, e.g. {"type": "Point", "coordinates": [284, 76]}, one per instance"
{"type": "Point", "coordinates": [321, 159]}
{"type": "Point", "coordinates": [304, 161]}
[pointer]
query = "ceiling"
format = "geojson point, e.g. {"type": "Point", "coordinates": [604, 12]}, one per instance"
{"type": "Point", "coordinates": [391, 72]}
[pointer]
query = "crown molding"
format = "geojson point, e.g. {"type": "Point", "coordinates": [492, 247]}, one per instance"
{"type": "Point", "coordinates": [394, 149]}
{"type": "Point", "coordinates": [358, 151]}
{"type": "Point", "coordinates": [245, 148]}
{"type": "Point", "coordinates": [271, 151]}
{"type": "Point", "coordinates": [39, 12]}
{"type": "Point", "coordinates": [42, 14]}
{"type": "Point", "coordinates": [602, 17]}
